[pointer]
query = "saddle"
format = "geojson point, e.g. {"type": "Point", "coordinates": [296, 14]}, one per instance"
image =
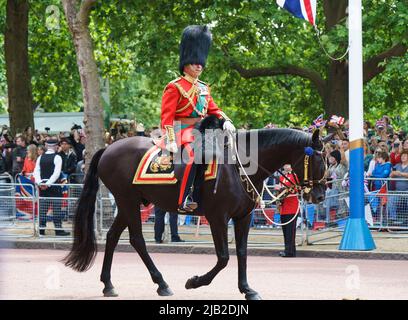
{"type": "Point", "coordinates": [158, 167]}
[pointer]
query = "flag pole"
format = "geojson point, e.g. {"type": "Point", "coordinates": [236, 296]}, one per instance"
{"type": "Point", "coordinates": [357, 235]}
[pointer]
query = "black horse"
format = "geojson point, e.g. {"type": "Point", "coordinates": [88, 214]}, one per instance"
{"type": "Point", "coordinates": [115, 166]}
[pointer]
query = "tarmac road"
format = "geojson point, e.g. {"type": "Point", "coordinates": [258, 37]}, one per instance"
{"type": "Point", "coordinates": [38, 274]}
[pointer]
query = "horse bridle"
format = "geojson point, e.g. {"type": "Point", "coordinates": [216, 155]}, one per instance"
{"type": "Point", "coordinates": [307, 184]}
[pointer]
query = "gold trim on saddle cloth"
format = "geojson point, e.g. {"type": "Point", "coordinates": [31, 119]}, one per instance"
{"type": "Point", "coordinates": [148, 171]}
{"type": "Point", "coordinates": [162, 163]}
{"type": "Point", "coordinates": [211, 171]}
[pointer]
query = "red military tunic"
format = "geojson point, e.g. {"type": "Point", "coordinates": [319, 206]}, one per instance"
{"type": "Point", "coordinates": [186, 100]}
{"type": "Point", "coordinates": [290, 204]}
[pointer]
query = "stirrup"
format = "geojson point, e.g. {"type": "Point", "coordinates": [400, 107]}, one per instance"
{"type": "Point", "coordinates": [189, 205]}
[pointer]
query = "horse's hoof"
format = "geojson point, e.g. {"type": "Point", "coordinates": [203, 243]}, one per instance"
{"type": "Point", "coordinates": [164, 292]}
{"type": "Point", "coordinates": [253, 296]}
{"type": "Point", "coordinates": [109, 293]}
{"type": "Point", "coordinates": [192, 283]}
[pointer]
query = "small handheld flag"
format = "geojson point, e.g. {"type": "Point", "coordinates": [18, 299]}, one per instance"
{"type": "Point", "coordinates": [304, 9]}
{"type": "Point", "coordinates": [319, 122]}
{"type": "Point", "coordinates": [337, 120]}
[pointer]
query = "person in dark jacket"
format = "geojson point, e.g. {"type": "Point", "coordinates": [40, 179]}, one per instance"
{"type": "Point", "coordinates": [18, 155]}
{"type": "Point", "coordinates": [3, 166]}
{"type": "Point", "coordinates": [77, 141]}
{"type": "Point", "coordinates": [46, 174]}
{"type": "Point", "coordinates": [68, 156]}
{"type": "Point", "coordinates": [159, 215]}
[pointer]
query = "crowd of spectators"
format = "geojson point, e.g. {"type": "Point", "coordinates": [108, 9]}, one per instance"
{"type": "Point", "coordinates": [385, 152]}
{"type": "Point", "coordinates": [385, 166]}
{"type": "Point", "coordinates": [384, 148]}
{"type": "Point", "coordinates": [18, 155]}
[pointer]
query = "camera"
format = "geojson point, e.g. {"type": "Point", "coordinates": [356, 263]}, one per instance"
{"type": "Point", "coordinates": [396, 145]}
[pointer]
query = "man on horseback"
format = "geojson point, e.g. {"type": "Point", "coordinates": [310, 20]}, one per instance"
{"type": "Point", "coordinates": [187, 100]}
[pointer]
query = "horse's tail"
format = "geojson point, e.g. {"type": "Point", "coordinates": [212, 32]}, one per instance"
{"type": "Point", "coordinates": [84, 247]}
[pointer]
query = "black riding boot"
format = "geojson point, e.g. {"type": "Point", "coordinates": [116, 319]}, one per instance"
{"type": "Point", "coordinates": [188, 204]}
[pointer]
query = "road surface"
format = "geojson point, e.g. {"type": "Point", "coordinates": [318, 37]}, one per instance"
{"type": "Point", "coordinates": [38, 274]}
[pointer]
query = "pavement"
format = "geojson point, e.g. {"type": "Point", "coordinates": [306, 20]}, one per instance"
{"type": "Point", "coordinates": [389, 246]}
{"type": "Point", "coordinates": [39, 274]}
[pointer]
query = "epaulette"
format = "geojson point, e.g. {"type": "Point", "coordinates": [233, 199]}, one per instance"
{"type": "Point", "coordinates": [175, 80]}
{"type": "Point", "coordinates": [172, 81]}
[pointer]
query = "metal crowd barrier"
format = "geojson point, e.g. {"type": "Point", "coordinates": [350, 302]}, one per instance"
{"type": "Point", "coordinates": [21, 208]}
{"type": "Point", "coordinates": [385, 210]}
{"type": "Point", "coordinates": [17, 213]}
{"type": "Point", "coordinates": [386, 206]}
{"type": "Point", "coordinates": [190, 228]}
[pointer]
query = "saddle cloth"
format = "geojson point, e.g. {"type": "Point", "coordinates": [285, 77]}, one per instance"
{"type": "Point", "coordinates": [157, 168]}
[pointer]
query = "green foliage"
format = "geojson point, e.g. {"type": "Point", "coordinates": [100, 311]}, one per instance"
{"type": "Point", "coordinates": [136, 47]}
{"type": "Point", "coordinates": [134, 98]}
{"type": "Point", "coordinates": [54, 74]}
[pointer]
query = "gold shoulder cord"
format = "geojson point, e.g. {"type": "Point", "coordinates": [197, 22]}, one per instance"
{"type": "Point", "coordinates": [185, 95]}
{"type": "Point", "coordinates": [190, 96]}
{"type": "Point", "coordinates": [170, 133]}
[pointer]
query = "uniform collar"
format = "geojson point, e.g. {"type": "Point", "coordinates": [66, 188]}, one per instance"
{"type": "Point", "coordinates": [190, 78]}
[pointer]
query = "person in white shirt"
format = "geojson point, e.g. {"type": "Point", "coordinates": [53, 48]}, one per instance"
{"type": "Point", "coordinates": [46, 174]}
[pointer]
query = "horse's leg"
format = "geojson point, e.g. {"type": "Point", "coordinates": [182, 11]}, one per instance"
{"type": "Point", "coordinates": [112, 238]}
{"type": "Point", "coordinates": [241, 228]}
{"type": "Point", "coordinates": [134, 222]}
{"type": "Point", "coordinates": [220, 236]}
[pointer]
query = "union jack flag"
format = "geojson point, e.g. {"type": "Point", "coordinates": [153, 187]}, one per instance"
{"type": "Point", "coordinates": [319, 122]}
{"type": "Point", "coordinates": [304, 9]}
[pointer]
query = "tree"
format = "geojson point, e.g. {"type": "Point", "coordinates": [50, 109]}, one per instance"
{"type": "Point", "coordinates": [330, 79]}
{"type": "Point", "coordinates": [135, 45]}
{"type": "Point", "coordinates": [17, 69]}
{"type": "Point", "coordinates": [55, 80]}
{"type": "Point", "coordinates": [77, 15]}
{"type": "Point", "coordinates": [266, 65]}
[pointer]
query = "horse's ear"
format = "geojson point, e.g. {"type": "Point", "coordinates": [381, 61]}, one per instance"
{"type": "Point", "coordinates": [316, 142]}
{"type": "Point", "coordinates": [315, 137]}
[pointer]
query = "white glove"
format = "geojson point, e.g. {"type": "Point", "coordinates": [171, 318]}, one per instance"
{"type": "Point", "coordinates": [172, 147]}
{"type": "Point", "coordinates": [229, 127]}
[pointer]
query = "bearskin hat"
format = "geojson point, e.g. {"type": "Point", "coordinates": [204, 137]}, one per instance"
{"type": "Point", "coordinates": [194, 46]}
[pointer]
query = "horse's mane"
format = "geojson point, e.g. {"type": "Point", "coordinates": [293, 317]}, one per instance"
{"type": "Point", "coordinates": [282, 136]}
